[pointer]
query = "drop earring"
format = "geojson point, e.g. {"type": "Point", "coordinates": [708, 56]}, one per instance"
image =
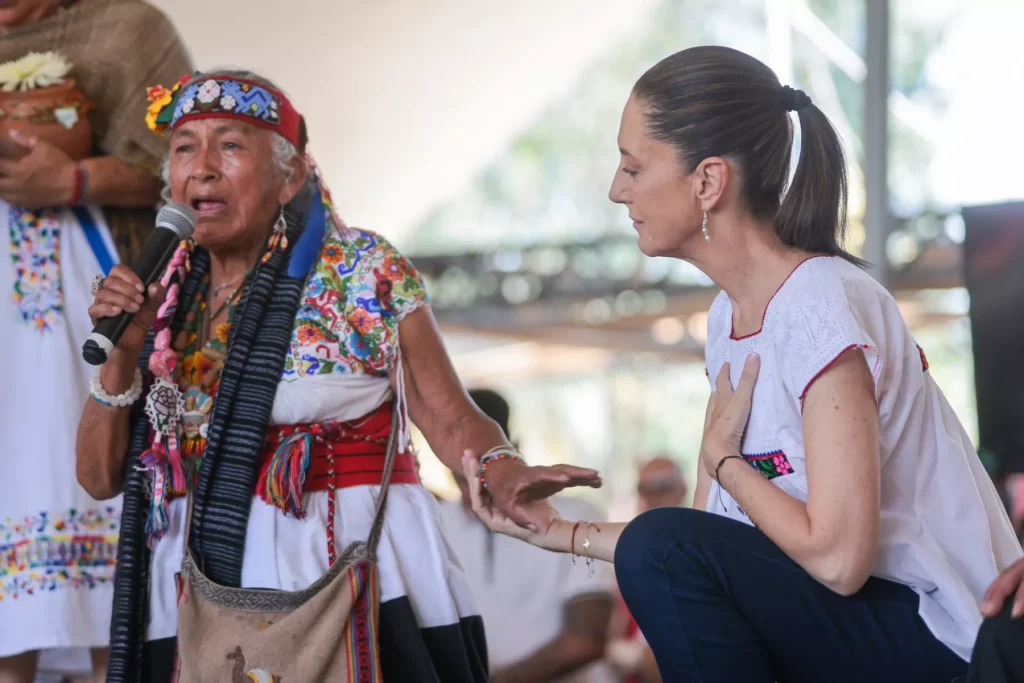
{"type": "Point", "coordinates": [279, 239]}
{"type": "Point", "coordinates": [704, 226]}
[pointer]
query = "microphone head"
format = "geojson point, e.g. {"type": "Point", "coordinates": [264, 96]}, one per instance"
{"type": "Point", "coordinates": [178, 218]}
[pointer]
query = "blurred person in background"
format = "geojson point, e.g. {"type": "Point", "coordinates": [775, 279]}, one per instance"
{"type": "Point", "coordinates": [844, 527]}
{"type": "Point", "coordinates": [546, 617]}
{"type": "Point", "coordinates": [660, 483]}
{"type": "Point", "coordinates": [78, 187]}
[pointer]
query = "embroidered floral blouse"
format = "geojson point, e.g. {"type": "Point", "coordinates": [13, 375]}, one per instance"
{"type": "Point", "coordinates": [347, 322]}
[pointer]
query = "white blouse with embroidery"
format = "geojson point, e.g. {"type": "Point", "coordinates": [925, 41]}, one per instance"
{"type": "Point", "coordinates": [943, 528]}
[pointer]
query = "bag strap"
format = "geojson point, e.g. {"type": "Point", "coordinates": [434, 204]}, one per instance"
{"type": "Point", "coordinates": [385, 482]}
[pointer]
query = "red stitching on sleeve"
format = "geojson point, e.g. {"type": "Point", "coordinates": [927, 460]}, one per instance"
{"type": "Point", "coordinates": [832, 362]}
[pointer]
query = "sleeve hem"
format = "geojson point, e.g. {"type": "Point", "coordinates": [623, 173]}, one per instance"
{"type": "Point", "coordinates": [402, 314]}
{"type": "Point", "coordinates": [874, 365]}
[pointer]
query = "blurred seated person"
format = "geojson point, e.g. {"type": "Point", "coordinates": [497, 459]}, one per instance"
{"type": "Point", "coordinates": [999, 651]}
{"type": "Point", "coordinates": [546, 617]}
{"type": "Point", "coordinates": [660, 484]}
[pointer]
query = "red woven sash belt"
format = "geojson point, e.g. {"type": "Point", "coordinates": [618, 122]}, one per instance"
{"type": "Point", "coordinates": [299, 459]}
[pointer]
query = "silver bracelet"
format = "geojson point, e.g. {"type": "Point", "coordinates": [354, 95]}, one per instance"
{"type": "Point", "coordinates": [121, 400]}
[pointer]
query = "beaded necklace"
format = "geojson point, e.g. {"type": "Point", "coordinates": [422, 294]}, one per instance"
{"type": "Point", "coordinates": [201, 363]}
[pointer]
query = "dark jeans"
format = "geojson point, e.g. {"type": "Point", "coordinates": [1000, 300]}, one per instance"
{"type": "Point", "coordinates": [719, 602]}
{"type": "Point", "coordinates": [999, 653]}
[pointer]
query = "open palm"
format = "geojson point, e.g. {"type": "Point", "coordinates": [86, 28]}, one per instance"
{"type": "Point", "coordinates": [540, 510]}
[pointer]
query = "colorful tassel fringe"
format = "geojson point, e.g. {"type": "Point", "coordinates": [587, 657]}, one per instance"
{"type": "Point", "coordinates": [282, 483]}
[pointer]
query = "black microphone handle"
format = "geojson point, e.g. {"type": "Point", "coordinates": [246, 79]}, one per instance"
{"type": "Point", "coordinates": [150, 265]}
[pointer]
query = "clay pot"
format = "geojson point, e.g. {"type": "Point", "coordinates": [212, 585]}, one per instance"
{"type": "Point", "coordinates": [56, 114]}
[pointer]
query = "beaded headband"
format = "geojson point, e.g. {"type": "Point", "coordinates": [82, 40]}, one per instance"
{"type": "Point", "coordinates": [218, 96]}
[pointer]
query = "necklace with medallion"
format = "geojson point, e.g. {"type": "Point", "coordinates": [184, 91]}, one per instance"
{"type": "Point", "coordinates": [203, 347]}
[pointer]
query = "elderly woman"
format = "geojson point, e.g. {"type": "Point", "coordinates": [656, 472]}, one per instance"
{"type": "Point", "coordinates": [286, 324]}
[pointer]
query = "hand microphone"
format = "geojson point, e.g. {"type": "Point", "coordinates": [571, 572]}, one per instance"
{"type": "Point", "coordinates": [174, 223]}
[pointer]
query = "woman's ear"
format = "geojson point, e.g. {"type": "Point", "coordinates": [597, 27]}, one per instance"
{"type": "Point", "coordinates": [710, 180]}
{"type": "Point", "coordinates": [300, 171]}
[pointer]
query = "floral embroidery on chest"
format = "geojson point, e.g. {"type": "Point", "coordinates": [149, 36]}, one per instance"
{"type": "Point", "coordinates": [346, 322]}
{"type": "Point", "coordinates": [772, 464]}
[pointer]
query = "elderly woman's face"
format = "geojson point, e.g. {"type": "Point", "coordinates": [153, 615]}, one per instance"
{"type": "Point", "coordinates": [225, 171]}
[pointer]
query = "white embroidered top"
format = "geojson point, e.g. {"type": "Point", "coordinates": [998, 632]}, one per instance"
{"type": "Point", "coordinates": [943, 529]}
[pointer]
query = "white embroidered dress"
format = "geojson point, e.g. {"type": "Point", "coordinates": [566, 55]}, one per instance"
{"type": "Point", "coordinates": [343, 350]}
{"type": "Point", "coordinates": [58, 546]}
{"type": "Point", "coordinates": [943, 530]}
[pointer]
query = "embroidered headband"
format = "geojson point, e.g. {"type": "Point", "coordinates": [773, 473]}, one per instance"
{"type": "Point", "coordinates": [219, 96]}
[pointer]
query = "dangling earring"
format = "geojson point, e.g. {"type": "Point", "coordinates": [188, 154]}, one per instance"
{"type": "Point", "coordinates": [704, 226]}
{"type": "Point", "coordinates": [279, 240]}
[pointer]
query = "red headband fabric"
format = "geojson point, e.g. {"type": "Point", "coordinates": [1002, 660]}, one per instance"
{"type": "Point", "coordinates": [220, 96]}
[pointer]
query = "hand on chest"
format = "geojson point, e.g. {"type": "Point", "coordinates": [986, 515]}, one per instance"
{"type": "Point", "coordinates": [773, 428]}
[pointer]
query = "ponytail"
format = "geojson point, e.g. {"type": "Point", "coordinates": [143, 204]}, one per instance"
{"type": "Point", "coordinates": [812, 216]}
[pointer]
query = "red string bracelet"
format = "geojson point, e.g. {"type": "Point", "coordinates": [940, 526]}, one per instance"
{"type": "Point", "coordinates": [572, 542]}
{"type": "Point", "coordinates": [79, 191]}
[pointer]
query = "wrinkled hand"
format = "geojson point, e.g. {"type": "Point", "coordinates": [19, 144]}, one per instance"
{"type": "Point", "coordinates": [45, 176]}
{"type": "Point", "coordinates": [1010, 582]}
{"type": "Point", "coordinates": [494, 519]}
{"type": "Point", "coordinates": [727, 419]}
{"type": "Point", "coordinates": [516, 490]}
{"type": "Point", "coordinates": [122, 290]}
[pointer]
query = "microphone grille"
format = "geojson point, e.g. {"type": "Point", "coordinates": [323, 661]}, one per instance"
{"type": "Point", "coordinates": [178, 218]}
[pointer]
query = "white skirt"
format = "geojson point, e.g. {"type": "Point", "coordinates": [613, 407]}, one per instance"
{"type": "Point", "coordinates": [422, 585]}
{"type": "Point", "coordinates": [57, 544]}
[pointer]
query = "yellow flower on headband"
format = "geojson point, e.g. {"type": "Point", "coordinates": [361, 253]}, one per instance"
{"type": "Point", "coordinates": [159, 99]}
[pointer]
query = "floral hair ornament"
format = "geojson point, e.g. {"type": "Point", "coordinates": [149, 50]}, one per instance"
{"type": "Point", "coordinates": [161, 104]}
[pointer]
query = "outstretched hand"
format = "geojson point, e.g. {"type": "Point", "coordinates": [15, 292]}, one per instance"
{"type": "Point", "coordinates": [494, 519]}
{"type": "Point", "coordinates": [515, 489]}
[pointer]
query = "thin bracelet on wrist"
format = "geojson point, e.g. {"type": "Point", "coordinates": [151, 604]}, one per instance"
{"type": "Point", "coordinates": [497, 453]}
{"type": "Point", "coordinates": [78, 194]}
{"type": "Point", "coordinates": [721, 462]}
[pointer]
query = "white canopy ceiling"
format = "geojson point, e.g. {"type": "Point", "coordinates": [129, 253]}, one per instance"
{"type": "Point", "coordinates": [407, 99]}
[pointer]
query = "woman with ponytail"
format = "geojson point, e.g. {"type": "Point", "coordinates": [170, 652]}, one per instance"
{"type": "Point", "coordinates": [843, 527]}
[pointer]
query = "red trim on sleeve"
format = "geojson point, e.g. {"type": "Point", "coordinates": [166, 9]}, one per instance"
{"type": "Point", "coordinates": [832, 362]}
{"type": "Point", "coordinates": [732, 333]}
{"type": "Point", "coordinates": [924, 359]}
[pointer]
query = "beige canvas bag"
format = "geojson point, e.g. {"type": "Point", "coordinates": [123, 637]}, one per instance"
{"type": "Point", "coordinates": [325, 633]}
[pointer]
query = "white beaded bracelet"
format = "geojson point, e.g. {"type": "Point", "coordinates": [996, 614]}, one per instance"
{"type": "Point", "coordinates": [121, 400]}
